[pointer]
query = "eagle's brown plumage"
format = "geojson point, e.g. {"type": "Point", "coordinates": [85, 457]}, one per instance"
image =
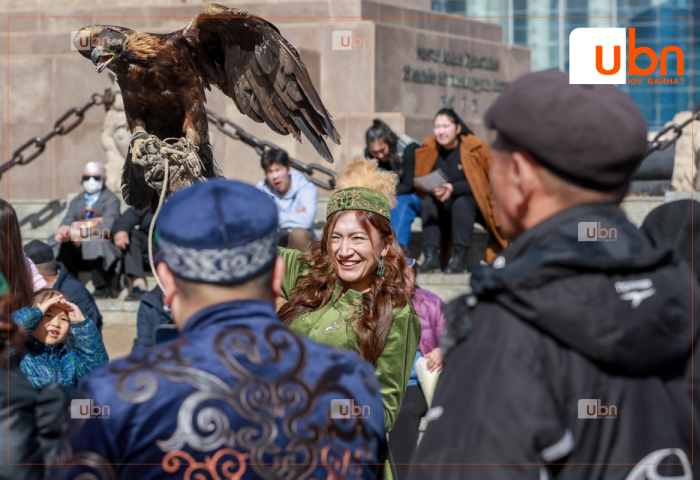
{"type": "Point", "coordinates": [163, 78]}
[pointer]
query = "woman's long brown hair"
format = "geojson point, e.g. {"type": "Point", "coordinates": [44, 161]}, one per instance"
{"type": "Point", "coordinates": [390, 291]}
{"type": "Point", "coordinates": [11, 335]}
{"type": "Point", "coordinates": [12, 262]}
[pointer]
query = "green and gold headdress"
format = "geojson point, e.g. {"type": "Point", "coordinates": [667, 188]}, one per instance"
{"type": "Point", "coordinates": [363, 186]}
{"type": "Point", "coordinates": [359, 198]}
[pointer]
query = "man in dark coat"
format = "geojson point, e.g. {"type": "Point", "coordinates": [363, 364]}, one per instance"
{"type": "Point", "coordinates": [571, 358]}
{"type": "Point", "coordinates": [676, 226]}
{"type": "Point", "coordinates": [58, 277]}
{"type": "Point", "coordinates": [130, 233]}
{"type": "Point", "coordinates": [96, 253]}
{"type": "Point", "coordinates": [151, 314]}
{"type": "Point", "coordinates": [237, 394]}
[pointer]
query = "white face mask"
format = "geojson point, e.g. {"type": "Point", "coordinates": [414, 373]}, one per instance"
{"type": "Point", "coordinates": [93, 186]}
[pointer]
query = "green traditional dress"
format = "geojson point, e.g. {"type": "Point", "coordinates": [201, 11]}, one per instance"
{"type": "Point", "coordinates": [333, 325]}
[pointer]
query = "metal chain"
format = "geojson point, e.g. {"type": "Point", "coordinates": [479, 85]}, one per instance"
{"type": "Point", "coordinates": [261, 145]}
{"type": "Point", "coordinates": [660, 144]}
{"type": "Point", "coordinates": [59, 128]}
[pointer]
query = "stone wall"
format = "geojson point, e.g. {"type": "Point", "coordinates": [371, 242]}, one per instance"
{"type": "Point", "coordinates": [46, 78]}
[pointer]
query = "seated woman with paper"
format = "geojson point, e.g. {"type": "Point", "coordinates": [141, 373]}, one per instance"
{"type": "Point", "coordinates": [452, 177]}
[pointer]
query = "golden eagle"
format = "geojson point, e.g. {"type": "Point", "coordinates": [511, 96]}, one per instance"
{"type": "Point", "coordinates": [163, 78]}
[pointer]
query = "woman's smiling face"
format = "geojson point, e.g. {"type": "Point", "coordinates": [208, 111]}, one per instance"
{"type": "Point", "coordinates": [53, 327]}
{"type": "Point", "coordinates": [356, 252]}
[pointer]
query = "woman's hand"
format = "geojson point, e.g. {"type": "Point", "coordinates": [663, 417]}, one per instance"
{"type": "Point", "coordinates": [444, 192]}
{"type": "Point", "coordinates": [434, 360]}
{"type": "Point", "coordinates": [74, 313]}
{"type": "Point", "coordinates": [45, 305]}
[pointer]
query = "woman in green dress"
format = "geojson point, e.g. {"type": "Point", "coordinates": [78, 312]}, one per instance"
{"type": "Point", "coordinates": [350, 290]}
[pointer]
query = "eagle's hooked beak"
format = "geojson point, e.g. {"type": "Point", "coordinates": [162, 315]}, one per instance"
{"type": "Point", "coordinates": [99, 59]}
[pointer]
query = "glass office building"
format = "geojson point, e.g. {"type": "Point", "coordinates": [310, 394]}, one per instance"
{"type": "Point", "coordinates": [544, 27]}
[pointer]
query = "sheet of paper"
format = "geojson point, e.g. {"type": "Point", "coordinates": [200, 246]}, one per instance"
{"type": "Point", "coordinates": [433, 180]}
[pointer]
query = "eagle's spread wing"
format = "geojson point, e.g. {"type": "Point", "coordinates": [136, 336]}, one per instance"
{"type": "Point", "coordinates": [248, 59]}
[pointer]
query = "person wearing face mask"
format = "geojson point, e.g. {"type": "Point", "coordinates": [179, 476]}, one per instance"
{"type": "Point", "coordinates": [99, 254]}
{"type": "Point", "coordinates": [453, 208]}
{"type": "Point", "coordinates": [351, 290]}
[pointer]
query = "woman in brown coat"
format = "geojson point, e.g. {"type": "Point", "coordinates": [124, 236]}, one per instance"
{"type": "Point", "coordinates": [464, 199]}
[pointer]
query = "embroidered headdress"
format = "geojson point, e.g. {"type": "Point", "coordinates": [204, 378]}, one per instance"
{"type": "Point", "coordinates": [363, 186]}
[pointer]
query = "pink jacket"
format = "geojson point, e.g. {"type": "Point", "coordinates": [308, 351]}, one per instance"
{"type": "Point", "coordinates": [427, 306]}
{"type": "Point", "coordinates": [38, 281]}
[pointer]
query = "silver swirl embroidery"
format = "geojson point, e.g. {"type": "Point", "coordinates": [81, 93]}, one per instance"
{"type": "Point", "coordinates": [258, 402]}
{"type": "Point", "coordinates": [220, 265]}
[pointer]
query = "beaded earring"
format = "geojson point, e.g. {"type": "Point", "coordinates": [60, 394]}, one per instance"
{"type": "Point", "coordinates": [381, 267]}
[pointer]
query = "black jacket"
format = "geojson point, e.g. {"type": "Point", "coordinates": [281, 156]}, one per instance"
{"type": "Point", "coordinates": [150, 314]}
{"type": "Point", "coordinates": [35, 419]}
{"type": "Point", "coordinates": [561, 321]}
{"type": "Point", "coordinates": [78, 294]}
{"type": "Point", "coordinates": [131, 218]}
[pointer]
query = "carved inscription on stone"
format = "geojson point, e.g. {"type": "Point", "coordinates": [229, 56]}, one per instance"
{"type": "Point", "coordinates": [454, 59]}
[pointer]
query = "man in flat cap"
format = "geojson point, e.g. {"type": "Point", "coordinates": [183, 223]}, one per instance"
{"type": "Point", "coordinates": [237, 394]}
{"type": "Point", "coordinates": [571, 358]}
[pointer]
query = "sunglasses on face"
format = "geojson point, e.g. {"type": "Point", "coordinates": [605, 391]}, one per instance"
{"type": "Point", "coordinates": [91, 177]}
{"type": "Point", "coordinates": [411, 261]}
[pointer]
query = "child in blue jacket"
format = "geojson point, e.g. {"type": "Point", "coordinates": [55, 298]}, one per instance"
{"type": "Point", "coordinates": [46, 359]}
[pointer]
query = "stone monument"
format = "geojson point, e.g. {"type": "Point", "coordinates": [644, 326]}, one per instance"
{"type": "Point", "coordinates": [115, 137]}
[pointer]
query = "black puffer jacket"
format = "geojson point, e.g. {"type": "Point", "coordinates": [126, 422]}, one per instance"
{"type": "Point", "coordinates": [562, 329]}
{"type": "Point", "coordinates": [35, 418]}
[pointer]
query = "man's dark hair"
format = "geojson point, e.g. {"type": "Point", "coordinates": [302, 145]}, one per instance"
{"type": "Point", "coordinates": [47, 268]}
{"type": "Point", "coordinates": [273, 155]}
{"type": "Point", "coordinates": [261, 282]}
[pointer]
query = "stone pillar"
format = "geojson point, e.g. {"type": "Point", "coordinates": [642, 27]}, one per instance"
{"type": "Point", "coordinates": [538, 33]}
{"type": "Point", "coordinates": [600, 8]}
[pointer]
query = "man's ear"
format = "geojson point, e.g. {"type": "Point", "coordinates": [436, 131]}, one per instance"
{"type": "Point", "coordinates": [278, 276]}
{"type": "Point", "coordinates": [525, 170]}
{"type": "Point", "coordinates": [167, 278]}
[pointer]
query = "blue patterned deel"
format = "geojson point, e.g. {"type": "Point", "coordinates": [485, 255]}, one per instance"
{"type": "Point", "coordinates": [236, 395]}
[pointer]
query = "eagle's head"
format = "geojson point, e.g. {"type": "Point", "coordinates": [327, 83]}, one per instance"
{"type": "Point", "coordinates": [101, 44]}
